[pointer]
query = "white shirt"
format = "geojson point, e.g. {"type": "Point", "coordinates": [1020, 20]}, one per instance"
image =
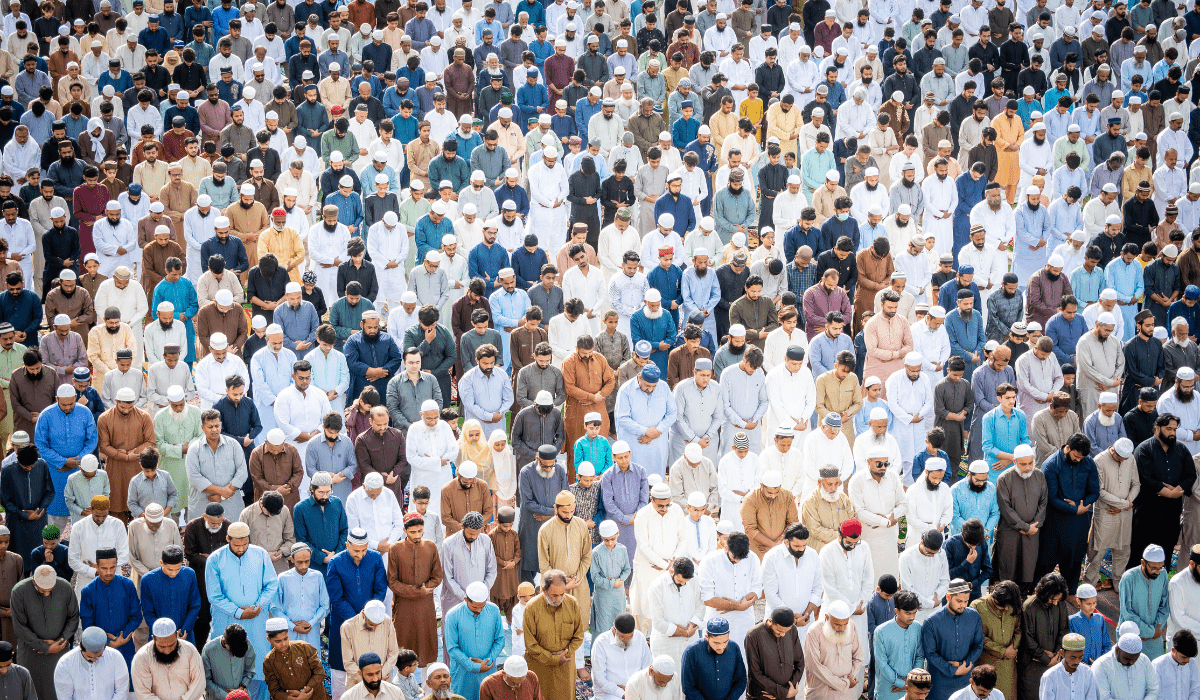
{"type": "Point", "coordinates": [847, 576]}
{"type": "Point", "coordinates": [874, 500]}
{"type": "Point", "coordinates": [381, 516]}
{"type": "Point", "coordinates": [673, 607]}
{"type": "Point", "coordinates": [642, 687]}
{"type": "Point", "coordinates": [699, 538]}
{"type": "Point", "coordinates": [1184, 595]}
{"type": "Point", "coordinates": [210, 377]}
{"type": "Point", "coordinates": [820, 451]}
{"type": "Point", "coordinates": [928, 577]}
{"type": "Point", "coordinates": [927, 508]}
{"type": "Point", "coordinates": [562, 332]}
{"type": "Point", "coordinates": [1175, 681]}
{"type": "Point", "coordinates": [998, 226]}
{"type": "Point", "coordinates": [789, 581]}
{"type": "Point", "coordinates": [107, 678]}
{"type": "Point", "coordinates": [426, 447]}
{"type": "Point", "coordinates": [297, 413]}
{"type": "Point", "coordinates": [613, 666]}
{"type": "Point", "coordinates": [736, 474]}
{"type": "Point", "coordinates": [109, 239]}
{"type": "Point", "coordinates": [934, 347]}
{"type": "Point", "coordinates": [865, 441]}
{"type": "Point", "coordinates": [721, 578]}
{"type": "Point", "coordinates": [990, 265]}
{"type": "Point", "coordinates": [86, 538]}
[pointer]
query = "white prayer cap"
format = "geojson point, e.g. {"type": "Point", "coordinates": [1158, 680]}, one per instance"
{"type": "Point", "coordinates": [1106, 318]}
{"type": "Point", "coordinates": [65, 391]}
{"type": "Point", "coordinates": [1108, 294]}
{"type": "Point", "coordinates": [1160, 333]}
{"type": "Point", "coordinates": [870, 382]}
{"type": "Point", "coordinates": [1128, 643]}
{"type": "Point", "coordinates": [663, 665]}
{"type": "Point", "coordinates": [935, 464]}
{"type": "Point", "coordinates": [126, 393]}
{"type": "Point", "coordinates": [1185, 374]}
{"type": "Point", "coordinates": [62, 320]}
{"type": "Point", "coordinates": [666, 220]}
{"type": "Point", "coordinates": [1154, 554]}
{"type": "Point", "coordinates": [433, 256]}
{"type": "Point", "coordinates": [878, 413]}
{"type": "Point", "coordinates": [477, 592]}
{"type": "Point", "coordinates": [833, 176]}
{"type": "Point", "coordinates": [239, 530]}
{"type": "Point", "coordinates": [1135, 100]}
{"type": "Point", "coordinates": [1081, 236]}
{"type": "Point", "coordinates": [516, 666]}
{"type": "Point", "coordinates": [608, 528]}
{"type": "Point", "coordinates": [877, 452]}
{"type": "Point", "coordinates": [937, 312]}
{"type": "Point", "coordinates": [1022, 451]}
{"type": "Point", "coordinates": [276, 436]}
{"type": "Point", "coordinates": [175, 393]}
{"type": "Point", "coordinates": [697, 500]}
{"type": "Point", "coordinates": [1073, 129]}
{"type": "Point", "coordinates": [89, 463]}
{"type": "Point", "coordinates": [1108, 397]}
{"type": "Point", "coordinates": [818, 112]}
{"type": "Point", "coordinates": [1032, 190]}
{"type": "Point", "coordinates": [468, 469]}
{"type": "Point", "coordinates": [165, 626]}
{"type": "Point", "coordinates": [737, 330]}
{"type": "Point", "coordinates": [221, 222]}
{"type": "Point", "coordinates": [430, 405]}
{"type": "Point", "coordinates": [1086, 590]}
{"type": "Point", "coordinates": [218, 341]}
{"type": "Point", "coordinates": [158, 207]}
{"type": "Point", "coordinates": [724, 527]}
{"type": "Point", "coordinates": [1123, 447]}
{"type": "Point", "coordinates": [113, 205]}
{"type": "Point", "coordinates": [913, 359]}
{"type": "Point", "coordinates": [660, 491]}
{"type": "Point", "coordinates": [693, 452]}
{"type": "Point", "coordinates": [1127, 627]}
{"type": "Point", "coordinates": [1175, 116]}
{"type": "Point", "coordinates": [373, 481]}
{"type": "Point", "coordinates": [904, 210]}
{"type": "Point", "coordinates": [585, 469]}
{"type": "Point", "coordinates": [204, 201]}
{"type": "Point", "coordinates": [978, 467]}
{"type": "Point", "coordinates": [653, 295]}
{"type": "Point", "coordinates": [258, 322]}
{"type": "Point", "coordinates": [871, 172]}
{"type": "Point", "coordinates": [273, 625]}
{"type": "Point", "coordinates": [772, 479]}
{"type": "Point", "coordinates": [838, 610]}
{"type": "Point", "coordinates": [44, 578]}
{"type": "Point", "coordinates": [592, 417]}
{"type": "Point", "coordinates": [1056, 260]}
{"type": "Point", "coordinates": [57, 212]}
{"type": "Point", "coordinates": [223, 297]}
{"type": "Point", "coordinates": [1040, 126]}
{"type": "Point", "coordinates": [1171, 251]}
{"type": "Point", "coordinates": [274, 329]}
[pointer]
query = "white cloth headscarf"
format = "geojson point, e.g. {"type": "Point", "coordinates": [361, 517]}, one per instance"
{"type": "Point", "coordinates": [504, 464]}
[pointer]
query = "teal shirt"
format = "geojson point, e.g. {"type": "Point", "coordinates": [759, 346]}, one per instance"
{"type": "Point", "coordinates": [596, 450]}
{"type": "Point", "coordinates": [1145, 602]}
{"type": "Point", "coordinates": [897, 651]}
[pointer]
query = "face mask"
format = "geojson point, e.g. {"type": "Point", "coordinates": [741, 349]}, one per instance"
{"type": "Point", "coordinates": [843, 216]}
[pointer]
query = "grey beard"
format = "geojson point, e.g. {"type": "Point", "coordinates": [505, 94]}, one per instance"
{"type": "Point", "coordinates": [444, 694]}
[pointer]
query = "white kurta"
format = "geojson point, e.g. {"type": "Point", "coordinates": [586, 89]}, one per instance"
{"type": "Point", "coordinates": [107, 678]}
{"type": "Point", "coordinates": [736, 474]}
{"type": "Point", "coordinates": [210, 377]}
{"type": "Point", "coordinates": [927, 509]}
{"type": "Point", "coordinates": [591, 289]}
{"type": "Point", "coordinates": [791, 582]}
{"type": "Point", "coordinates": [110, 240]}
{"type": "Point", "coordinates": [868, 440]}
{"type": "Point", "coordinates": [132, 303]}
{"type": "Point", "coordinates": [941, 199]}
{"type": "Point", "coordinates": [659, 538]}
{"type": "Point", "coordinates": [820, 451]}
{"type": "Point", "coordinates": [672, 607]}
{"type": "Point", "coordinates": [548, 186]}
{"type": "Point", "coordinates": [850, 578]}
{"type": "Point", "coordinates": [928, 577]}
{"type": "Point", "coordinates": [613, 666]}
{"type": "Point", "coordinates": [562, 334]}
{"type": "Point", "coordinates": [324, 247]}
{"type": "Point", "coordinates": [909, 399]}
{"type": "Point", "coordinates": [934, 347]}
{"type": "Point", "coordinates": [873, 502]}
{"type": "Point", "coordinates": [425, 449]}
{"type": "Point", "coordinates": [388, 245]}
{"type": "Point", "coordinates": [297, 412]}
{"type": "Point", "coordinates": [87, 538]}
{"type": "Point", "coordinates": [197, 230]}
{"type": "Point", "coordinates": [721, 578]}
{"type": "Point", "coordinates": [790, 464]}
{"type": "Point", "coordinates": [792, 398]}
{"type": "Point", "coordinates": [1184, 595]}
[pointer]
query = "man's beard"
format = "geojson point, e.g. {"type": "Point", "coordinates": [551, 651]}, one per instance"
{"type": "Point", "coordinates": [1038, 141]}
{"type": "Point", "coordinates": [1007, 294]}
{"type": "Point", "coordinates": [976, 489]}
{"type": "Point", "coordinates": [65, 293]}
{"type": "Point", "coordinates": [903, 224]}
{"type": "Point", "coordinates": [444, 694]}
{"type": "Point", "coordinates": [623, 644]}
{"type": "Point", "coordinates": [69, 161]}
{"type": "Point", "coordinates": [908, 183]}
{"type": "Point", "coordinates": [1195, 573]}
{"type": "Point", "coordinates": [321, 501]}
{"type": "Point", "coordinates": [966, 314]}
{"type": "Point", "coordinates": [166, 659]}
{"type": "Point", "coordinates": [1184, 396]}
{"type": "Point", "coordinates": [112, 331]}
{"type": "Point", "coordinates": [871, 188]}
{"type": "Point", "coordinates": [830, 497]}
{"type": "Point", "coordinates": [930, 486]}
{"type": "Point", "coordinates": [238, 650]}
{"type": "Point", "coordinates": [35, 377]}
{"type": "Point", "coordinates": [1168, 441]}
{"type": "Point", "coordinates": [1106, 421]}
{"type": "Point", "coordinates": [654, 314]}
{"type": "Point", "coordinates": [838, 638]}
{"type": "Point", "coordinates": [737, 349]}
{"type": "Point", "coordinates": [330, 228]}
{"type": "Point", "coordinates": [373, 686]}
{"type": "Point", "coordinates": [701, 273]}
{"type": "Point", "coordinates": [1034, 207]}
{"type": "Point", "coordinates": [1052, 276]}
{"type": "Point", "coordinates": [1025, 475]}
{"type": "Point", "coordinates": [994, 207]}
{"type": "Point", "coordinates": [167, 325]}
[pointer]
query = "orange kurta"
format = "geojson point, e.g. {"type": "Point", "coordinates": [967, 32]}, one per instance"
{"type": "Point", "coordinates": [414, 570]}
{"type": "Point", "coordinates": [582, 380]}
{"type": "Point", "coordinates": [1009, 133]}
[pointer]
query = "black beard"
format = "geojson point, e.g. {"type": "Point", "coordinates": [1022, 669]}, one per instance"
{"type": "Point", "coordinates": [371, 337]}
{"type": "Point", "coordinates": [331, 227]}
{"type": "Point", "coordinates": [373, 685]}
{"type": "Point", "coordinates": [1168, 441]}
{"type": "Point", "coordinates": [943, 177]}
{"type": "Point", "coordinates": [702, 273]}
{"type": "Point", "coordinates": [35, 377]}
{"type": "Point", "coordinates": [321, 501]}
{"type": "Point", "coordinates": [66, 293]}
{"type": "Point", "coordinates": [1053, 277]}
{"type": "Point", "coordinates": [1007, 294]}
{"type": "Point", "coordinates": [243, 205]}
{"type": "Point", "coordinates": [167, 659]}
{"type": "Point", "coordinates": [909, 183]}
{"type": "Point", "coordinates": [1184, 397]}
{"type": "Point", "coordinates": [168, 325]}
{"type": "Point", "coordinates": [902, 224]}
{"type": "Point", "coordinates": [976, 489]}
{"type": "Point", "coordinates": [796, 554]}
{"type": "Point", "coordinates": [1195, 573]}
{"type": "Point", "coordinates": [543, 410]}
{"type": "Point", "coordinates": [1039, 141]}
{"type": "Point", "coordinates": [112, 331]}
{"type": "Point", "coordinates": [69, 161]}
{"type": "Point", "coordinates": [930, 486]}
{"type": "Point", "coordinates": [1034, 207]}
{"type": "Point", "coordinates": [966, 314]}
{"type": "Point", "coordinates": [736, 350]}
{"type": "Point", "coordinates": [870, 188]}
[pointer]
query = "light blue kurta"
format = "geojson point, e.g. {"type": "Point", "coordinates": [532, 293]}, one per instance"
{"type": "Point", "coordinates": [608, 601]}
{"type": "Point", "coordinates": [235, 582]}
{"type": "Point", "coordinates": [470, 636]}
{"type": "Point", "coordinates": [897, 651]}
{"type": "Point", "coordinates": [482, 395]}
{"type": "Point", "coordinates": [330, 373]}
{"type": "Point", "coordinates": [61, 436]}
{"type": "Point", "coordinates": [508, 311]}
{"type": "Point", "coordinates": [968, 504]}
{"type": "Point", "coordinates": [862, 419]}
{"type": "Point", "coordinates": [1033, 227]}
{"type": "Point", "coordinates": [182, 294]}
{"type": "Point", "coordinates": [1065, 219]}
{"type": "Point", "coordinates": [1128, 280]}
{"type": "Point", "coordinates": [636, 411]}
{"type": "Point", "coordinates": [701, 293]}
{"type": "Point", "coordinates": [302, 598]}
{"type": "Point", "coordinates": [1002, 434]}
{"type": "Point", "coordinates": [269, 375]}
{"type": "Point", "coordinates": [1145, 602]}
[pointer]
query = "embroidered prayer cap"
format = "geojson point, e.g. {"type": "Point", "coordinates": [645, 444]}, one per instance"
{"type": "Point", "coordinates": [1154, 554]}
{"type": "Point", "coordinates": [717, 626]}
{"type": "Point", "coordinates": [165, 626]}
{"type": "Point", "coordinates": [1074, 641]}
{"type": "Point", "coordinates": [663, 665]}
{"type": "Point", "coordinates": [273, 625]}
{"type": "Point", "coordinates": [153, 513]}
{"type": "Point", "coordinates": [1123, 447]}
{"type": "Point", "coordinates": [651, 373]}
{"type": "Point", "coordinates": [838, 610]}
{"type": "Point", "coordinates": [94, 639]}
{"type": "Point", "coordinates": [239, 530]}
{"type": "Point", "coordinates": [643, 349]}
{"type": "Point", "coordinates": [829, 471]}
{"type": "Point", "coordinates": [1086, 590]}
{"type": "Point", "coordinates": [833, 420]}
{"type": "Point", "coordinates": [919, 675]}
{"type": "Point", "coordinates": [473, 520]}
{"type": "Point", "coordinates": [357, 536]}
{"type": "Point", "coordinates": [957, 586]}
{"type": "Point", "coordinates": [1128, 643]}
{"type": "Point", "coordinates": [660, 491]}
{"type": "Point", "coordinates": [564, 498]}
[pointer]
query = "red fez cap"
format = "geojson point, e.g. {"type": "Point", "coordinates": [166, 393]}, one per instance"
{"type": "Point", "coordinates": [851, 528]}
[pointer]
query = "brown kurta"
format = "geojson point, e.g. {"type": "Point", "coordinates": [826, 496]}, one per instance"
{"type": "Point", "coordinates": [839, 397]}
{"type": "Point", "coordinates": [232, 323]}
{"type": "Point", "coordinates": [248, 222]}
{"type": "Point", "coordinates": [495, 688]}
{"type": "Point", "coordinates": [521, 343]}
{"type": "Point", "coordinates": [91, 282]}
{"type": "Point", "coordinates": [457, 502]}
{"type": "Point", "coordinates": [1042, 631]}
{"type": "Point", "coordinates": [384, 454]}
{"type": "Point", "coordinates": [12, 570]}
{"type": "Point", "coordinates": [772, 662]}
{"type": "Point", "coordinates": [507, 546]}
{"type": "Point", "coordinates": [459, 81]}
{"type": "Point", "coordinates": [761, 515]}
{"type": "Point", "coordinates": [298, 669]}
{"type": "Point", "coordinates": [874, 273]}
{"type": "Point", "coordinates": [269, 470]}
{"type": "Point", "coordinates": [1022, 502]}
{"type": "Point", "coordinates": [681, 363]}
{"type": "Point", "coordinates": [583, 378]}
{"type": "Point", "coordinates": [177, 200]}
{"type": "Point", "coordinates": [78, 306]}
{"type": "Point", "coordinates": [29, 397]}
{"type": "Point", "coordinates": [1001, 629]}
{"type": "Point", "coordinates": [154, 264]}
{"type": "Point", "coordinates": [122, 439]}
{"type": "Point", "coordinates": [148, 223]}
{"type": "Point", "coordinates": [550, 631]}
{"type": "Point", "coordinates": [414, 570]}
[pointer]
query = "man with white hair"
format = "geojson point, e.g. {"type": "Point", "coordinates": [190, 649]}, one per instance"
{"type": "Point", "coordinates": [1099, 360]}
{"type": "Point", "coordinates": [91, 671]}
{"type": "Point", "coordinates": [879, 502]}
{"type": "Point", "coordinates": [430, 447]}
{"type": "Point", "coordinates": [1104, 426]}
{"type": "Point", "coordinates": [876, 438]}
{"type": "Point", "coordinates": [217, 366]}
{"type": "Point", "coordinates": [1112, 518]}
{"type": "Point", "coordinates": [168, 667]}
{"type": "Point", "coordinates": [834, 654]}
{"type": "Point", "coordinates": [910, 397]}
{"type": "Point", "coordinates": [1179, 401]}
{"type": "Point", "coordinates": [660, 530]}
{"type": "Point", "coordinates": [925, 571]}
{"type": "Point", "coordinates": [271, 373]}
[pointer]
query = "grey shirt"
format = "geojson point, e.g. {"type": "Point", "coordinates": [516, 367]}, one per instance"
{"type": "Point", "coordinates": [143, 492]}
{"type": "Point", "coordinates": [430, 288]}
{"type": "Point", "coordinates": [532, 379]}
{"type": "Point", "coordinates": [404, 398]}
{"type": "Point", "coordinates": [205, 467]}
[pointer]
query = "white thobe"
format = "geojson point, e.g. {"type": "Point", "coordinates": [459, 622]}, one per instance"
{"type": "Point", "coordinates": [671, 608]}
{"type": "Point", "coordinates": [916, 273]}
{"type": "Point", "coordinates": [721, 578]}
{"type": "Point", "coordinates": [820, 451]}
{"type": "Point", "coordinates": [86, 538]}
{"type": "Point", "coordinates": [1169, 183]}
{"type": "Point", "coordinates": [786, 212]}
{"type": "Point", "coordinates": [1092, 312]}
{"type": "Point", "coordinates": [789, 464]}
{"type": "Point", "coordinates": [1189, 418]}
{"type": "Point", "coordinates": [699, 537]}
{"type": "Point", "coordinates": [400, 320]}
{"type": "Point", "coordinates": [792, 398]}
{"type": "Point", "coordinates": [1189, 213]}
{"type": "Point", "coordinates": [655, 240]}
{"type": "Point", "coordinates": [613, 245]}
{"type": "Point", "coordinates": [864, 199]}
{"type": "Point", "coordinates": [563, 332]}
{"type": "Point", "coordinates": [659, 538]}
{"type": "Point", "coordinates": [863, 444]}
{"type": "Point", "coordinates": [589, 288]}
{"type": "Point", "coordinates": [775, 353]}
{"type": "Point", "coordinates": [801, 78]}
{"type": "Point", "coordinates": [928, 577]}
{"type": "Point", "coordinates": [909, 399]}
{"type": "Point", "coordinates": [197, 230]}
{"type": "Point", "coordinates": [547, 186]}
{"type": "Point", "coordinates": [109, 239]}
{"type": "Point", "coordinates": [210, 377]}
{"type": "Point", "coordinates": [612, 666]}
{"type": "Point", "coordinates": [131, 301]}
{"type": "Point", "coordinates": [850, 578]}
{"type": "Point", "coordinates": [941, 199]}
{"type": "Point", "coordinates": [873, 502]}
{"type": "Point", "coordinates": [990, 266]}
{"type": "Point", "coordinates": [324, 247]}
{"type": "Point", "coordinates": [106, 678]}
{"type": "Point", "coordinates": [934, 347]}
{"type": "Point", "coordinates": [1057, 684]}
{"type": "Point", "coordinates": [926, 509]}
{"type": "Point", "coordinates": [425, 449]}
{"type": "Point", "coordinates": [381, 516]}
{"type": "Point", "coordinates": [387, 245]}
{"type": "Point", "coordinates": [1175, 681]}
{"type": "Point", "coordinates": [791, 582]}
{"type": "Point", "coordinates": [1170, 138]}
{"type": "Point", "coordinates": [997, 225]}
{"type": "Point", "coordinates": [22, 240]}
{"type": "Point", "coordinates": [1184, 595]}
{"type": "Point", "coordinates": [297, 412]}
{"type": "Point", "coordinates": [736, 474]}
{"type": "Point", "coordinates": [1095, 213]}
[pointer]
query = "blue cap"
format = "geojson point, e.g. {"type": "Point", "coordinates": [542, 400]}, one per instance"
{"type": "Point", "coordinates": [643, 349]}
{"type": "Point", "coordinates": [703, 363]}
{"type": "Point", "coordinates": [155, 18]}
{"type": "Point", "coordinates": [718, 625]}
{"type": "Point", "coordinates": [651, 372]}
{"type": "Point", "coordinates": [82, 374]}
{"type": "Point", "coordinates": [1192, 292]}
{"type": "Point", "coordinates": [135, 189]}
{"type": "Point", "coordinates": [686, 103]}
{"type": "Point", "coordinates": [966, 270]}
{"type": "Point", "coordinates": [833, 420]}
{"type": "Point", "coordinates": [369, 659]}
{"type": "Point", "coordinates": [1114, 120]}
{"type": "Point", "coordinates": [237, 107]}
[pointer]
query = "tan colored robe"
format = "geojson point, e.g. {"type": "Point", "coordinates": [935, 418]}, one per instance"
{"type": "Point", "coordinates": [269, 470]}
{"type": "Point", "coordinates": [568, 549]}
{"type": "Point", "coordinates": [154, 264]}
{"type": "Point", "coordinates": [550, 631]}
{"type": "Point", "coordinates": [822, 518]}
{"type": "Point", "coordinates": [298, 669]}
{"type": "Point", "coordinates": [761, 515]}
{"type": "Point", "coordinates": [118, 434]}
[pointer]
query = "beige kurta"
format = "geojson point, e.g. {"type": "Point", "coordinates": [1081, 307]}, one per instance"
{"type": "Point", "coordinates": [1119, 487]}
{"type": "Point", "coordinates": [287, 247]}
{"type": "Point", "coordinates": [569, 549]}
{"type": "Point", "coordinates": [550, 631]}
{"type": "Point", "coordinates": [1049, 434]}
{"type": "Point", "coordinates": [182, 680]}
{"type": "Point", "coordinates": [356, 641]}
{"type": "Point", "coordinates": [146, 545]}
{"type": "Point", "coordinates": [829, 666]}
{"type": "Point", "coordinates": [822, 518]}
{"type": "Point", "coordinates": [843, 396]}
{"type": "Point", "coordinates": [102, 350]}
{"type": "Point", "coordinates": [768, 517]}
{"type": "Point", "coordinates": [1097, 362]}
{"type": "Point", "coordinates": [274, 533]}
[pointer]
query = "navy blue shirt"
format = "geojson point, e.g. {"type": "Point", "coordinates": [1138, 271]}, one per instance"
{"type": "Point", "coordinates": [24, 313]}
{"type": "Point", "coordinates": [239, 421]}
{"type": "Point", "coordinates": [233, 250]}
{"type": "Point", "coordinates": [528, 266]}
{"type": "Point", "coordinates": [710, 676]}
